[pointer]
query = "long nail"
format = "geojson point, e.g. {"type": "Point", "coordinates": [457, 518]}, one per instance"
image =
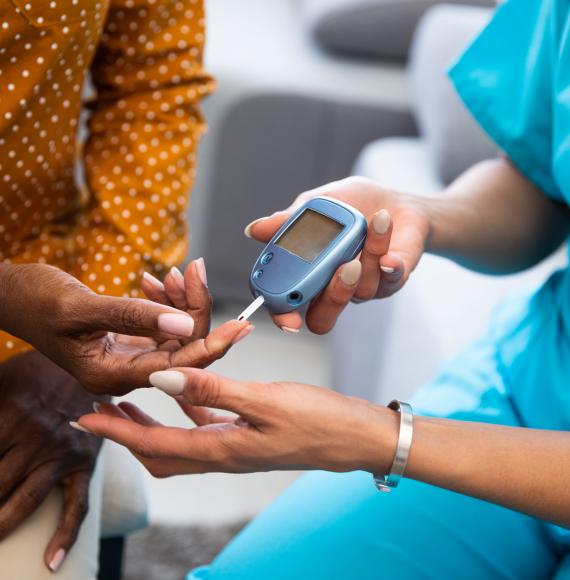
{"type": "Point", "coordinates": [79, 427]}
{"type": "Point", "coordinates": [201, 270]}
{"type": "Point", "coordinates": [170, 382]}
{"type": "Point", "coordinates": [381, 221]}
{"type": "Point", "coordinates": [247, 231]}
{"type": "Point", "coordinates": [245, 332]}
{"type": "Point", "coordinates": [178, 277]}
{"type": "Point", "coordinates": [154, 281]}
{"type": "Point", "coordinates": [177, 324]}
{"type": "Point", "coordinates": [97, 407]}
{"type": "Point", "coordinates": [57, 560]}
{"type": "Point", "coordinates": [289, 330]}
{"type": "Point", "coordinates": [351, 272]}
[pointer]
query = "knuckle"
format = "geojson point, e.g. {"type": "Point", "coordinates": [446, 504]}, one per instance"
{"type": "Point", "coordinates": [207, 392]}
{"type": "Point", "coordinates": [132, 315]}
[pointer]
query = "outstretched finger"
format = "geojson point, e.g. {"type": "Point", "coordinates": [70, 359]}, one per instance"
{"type": "Point", "coordinates": [204, 351]}
{"type": "Point", "coordinates": [74, 510]}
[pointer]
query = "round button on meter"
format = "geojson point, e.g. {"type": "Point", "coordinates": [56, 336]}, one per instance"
{"type": "Point", "coordinates": [267, 258]}
{"type": "Point", "coordinates": [258, 274]}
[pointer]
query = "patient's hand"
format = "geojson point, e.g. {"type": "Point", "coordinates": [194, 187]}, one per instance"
{"type": "Point", "coordinates": [397, 233]}
{"type": "Point", "coordinates": [275, 426]}
{"type": "Point", "coordinates": [39, 451]}
{"type": "Point", "coordinates": [111, 345]}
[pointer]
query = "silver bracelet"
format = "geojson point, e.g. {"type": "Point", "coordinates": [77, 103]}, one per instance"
{"type": "Point", "coordinates": [389, 482]}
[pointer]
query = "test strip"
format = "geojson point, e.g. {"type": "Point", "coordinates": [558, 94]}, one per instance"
{"type": "Point", "coordinates": [252, 308]}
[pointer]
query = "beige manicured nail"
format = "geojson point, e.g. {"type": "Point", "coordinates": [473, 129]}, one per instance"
{"type": "Point", "coordinates": [350, 273]}
{"type": "Point", "coordinates": [57, 560]}
{"type": "Point", "coordinates": [381, 221]}
{"type": "Point", "coordinates": [201, 269]}
{"type": "Point", "coordinates": [178, 277]}
{"type": "Point", "coordinates": [177, 324]}
{"type": "Point", "coordinates": [170, 382]}
{"type": "Point", "coordinates": [97, 407]}
{"type": "Point", "coordinates": [290, 330]}
{"type": "Point", "coordinates": [387, 269]}
{"type": "Point", "coordinates": [247, 230]}
{"type": "Point", "coordinates": [79, 427]}
{"type": "Point", "coordinates": [154, 281]}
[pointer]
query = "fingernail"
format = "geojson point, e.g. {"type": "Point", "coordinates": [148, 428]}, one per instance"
{"type": "Point", "coordinates": [387, 269]}
{"type": "Point", "coordinates": [289, 330]}
{"type": "Point", "coordinates": [245, 332]}
{"type": "Point", "coordinates": [201, 269]}
{"type": "Point", "coordinates": [152, 280]}
{"type": "Point", "coordinates": [170, 382]}
{"type": "Point", "coordinates": [177, 324]}
{"type": "Point", "coordinates": [57, 560]}
{"type": "Point", "coordinates": [381, 221]}
{"type": "Point", "coordinates": [247, 231]}
{"type": "Point", "coordinates": [97, 407]}
{"type": "Point", "coordinates": [178, 277]}
{"type": "Point", "coordinates": [79, 427]}
{"type": "Point", "coordinates": [350, 273]}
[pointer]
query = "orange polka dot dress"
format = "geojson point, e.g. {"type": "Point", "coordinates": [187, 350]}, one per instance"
{"type": "Point", "coordinates": [125, 211]}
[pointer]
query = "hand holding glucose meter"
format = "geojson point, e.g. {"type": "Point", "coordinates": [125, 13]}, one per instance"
{"type": "Point", "coordinates": [304, 254]}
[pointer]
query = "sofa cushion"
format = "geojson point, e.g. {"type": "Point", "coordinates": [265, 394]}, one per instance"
{"type": "Point", "coordinates": [373, 28]}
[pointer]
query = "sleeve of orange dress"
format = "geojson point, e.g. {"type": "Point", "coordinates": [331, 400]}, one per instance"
{"type": "Point", "coordinates": [144, 128]}
{"type": "Point", "coordinates": [139, 158]}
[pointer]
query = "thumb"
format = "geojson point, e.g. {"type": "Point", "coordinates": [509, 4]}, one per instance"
{"type": "Point", "coordinates": [205, 389]}
{"type": "Point", "coordinates": [263, 229]}
{"type": "Point", "coordinates": [135, 317]}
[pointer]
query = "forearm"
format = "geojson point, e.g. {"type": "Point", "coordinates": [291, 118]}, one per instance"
{"type": "Point", "coordinates": [492, 219]}
{"type": "Point", "coordinates": [526, 470]}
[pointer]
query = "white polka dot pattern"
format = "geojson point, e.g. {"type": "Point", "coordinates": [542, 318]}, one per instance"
{"type": "Point", "coordinates": [145, 59]}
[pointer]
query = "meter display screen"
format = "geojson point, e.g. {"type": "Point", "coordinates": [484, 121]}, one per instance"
{"type": "Point", "coordinates": [309, 235]}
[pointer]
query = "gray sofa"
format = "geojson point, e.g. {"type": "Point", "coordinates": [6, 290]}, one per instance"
{"type": "Point", "coordinates": [296, 104]}
{"type": "Point", "coordinates": [387, 349]}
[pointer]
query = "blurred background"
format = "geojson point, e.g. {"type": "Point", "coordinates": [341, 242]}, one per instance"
{"type": "Point", "coordinates": [311, 91]}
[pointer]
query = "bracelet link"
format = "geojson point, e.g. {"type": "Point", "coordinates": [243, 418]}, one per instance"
{"type": "Point", "coordinates": [386, 483]}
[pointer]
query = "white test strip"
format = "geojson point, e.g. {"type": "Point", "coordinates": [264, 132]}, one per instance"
{"type": "Point", "coordinates": [252, 308]}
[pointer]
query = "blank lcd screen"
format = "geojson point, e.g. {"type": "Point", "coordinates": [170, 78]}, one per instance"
{"type": "Point", "coordinates": [309, 235]}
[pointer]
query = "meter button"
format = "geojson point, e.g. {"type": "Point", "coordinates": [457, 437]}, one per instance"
{"type": "Point", "coordinates": [267, 258]}
{"type": "Point", "coordinates": [257, 274]}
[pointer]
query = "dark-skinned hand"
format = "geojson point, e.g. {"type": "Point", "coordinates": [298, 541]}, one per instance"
{"type": "Point", "coordinates": [38, 449]}
{"type": "Point", "coordinates": [112, 345]}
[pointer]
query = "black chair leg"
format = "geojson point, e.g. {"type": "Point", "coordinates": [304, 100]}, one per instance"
{"type": "Point", "coordinates": [111, 558]}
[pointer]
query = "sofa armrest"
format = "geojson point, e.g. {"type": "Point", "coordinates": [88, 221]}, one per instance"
{"type": "Point", "coordinates": [453, 138]}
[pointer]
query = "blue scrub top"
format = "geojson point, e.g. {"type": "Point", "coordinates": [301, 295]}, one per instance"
{"type": "Point", "coordinates": [515, 80]}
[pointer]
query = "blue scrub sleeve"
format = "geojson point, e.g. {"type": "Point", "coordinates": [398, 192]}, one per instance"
{"type": "Point", "coordinates": [505, 80]}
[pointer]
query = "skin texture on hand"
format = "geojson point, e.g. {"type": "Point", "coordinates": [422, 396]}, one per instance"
{"type": "Point", "coordinates": [273, 426]}
{"type": "Point", "coordinates": [38, 450]}
{"type": "Point", "coordinates": [111, 345]}
{"type": "Point", "coordinates": [398, 229]}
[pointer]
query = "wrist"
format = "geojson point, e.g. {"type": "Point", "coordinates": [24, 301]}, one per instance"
{"type": "Point", "coordinates": [379, 438]}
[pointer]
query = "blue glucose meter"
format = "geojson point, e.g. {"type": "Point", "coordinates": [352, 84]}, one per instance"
{"type": "Point", "coordinates": [304, 254]}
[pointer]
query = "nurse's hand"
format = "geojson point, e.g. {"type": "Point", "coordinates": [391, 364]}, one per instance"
{"type": "Point", "coordinates": [273, 426]}
{"type": "Point", "coordinates": [397, 234]}
{"type": "Point", "coordinates": [111, 345]}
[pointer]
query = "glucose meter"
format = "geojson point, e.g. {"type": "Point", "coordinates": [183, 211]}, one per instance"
{"type": "Point", "coordinates": [304, 254]}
